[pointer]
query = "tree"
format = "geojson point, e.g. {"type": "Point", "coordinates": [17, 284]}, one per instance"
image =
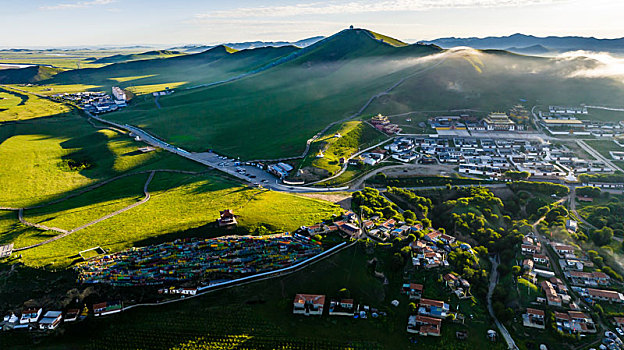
{"type": "Point", "coordinates": [602, 236]}
{"type": "Point", "coordinates": [409, 215]}
{"type": "Point", "coordinates": [344, 293]}
{"type": "Point", "coordinates": [516, 270]}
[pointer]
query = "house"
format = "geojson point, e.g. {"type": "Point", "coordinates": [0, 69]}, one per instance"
{"type": "Point", "coordinates": [434, 308]}
{"type": "Point", "coordinates": [540, 259]}
{"type": "Point", "coordinates": [619, 322]}
{"type": "Point", "coordinates": [571, 225]}
{"type": "Point", "coordinates": [562, 249]}
{"type": "Point", "coordinates": [433, 236]}
{"type": "Point", "coordinates": [106, 308]}
{"type": "Point", "coordinates": [51, 320]}
{"type": "Point", "coordinates": [413, 290]}
{"type": "Point", "coordinates": [588, 278]}
{"type": "Point", "coordinates": [30, 316]}
{"type": "Point", "coordinates": [528, 249]}
{"type": "Point", "coordinates": [551, 294]}
{"type": "Point", "coordinates": [350, 229]}
{"type": "Point", "coordinates": [368, 224]}
{"type": "Point", "coordinates": [534, 318]}
{"type": "Point", "coordinates": [6, 250]}
{"type": "Point", "coordinates": [424, 325]}
{"type": "Point", "coordinates": [72, 315]}
{"type": "Point", "coordinates": [605, 295]}
{"type": "Point", "coordinates": [308, 304]}
{"type": "Point", "coordinates": [343, 307]}
{"type": "Point", "coordinates": [574, 322]}
{"type": "Point", "coordinates": [527, 264]}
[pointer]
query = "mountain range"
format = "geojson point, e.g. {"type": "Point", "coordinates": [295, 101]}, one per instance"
{"type": "Point", "coordinates": [251, 45]}
{"type": "Point", "coordinates": [529, 44]}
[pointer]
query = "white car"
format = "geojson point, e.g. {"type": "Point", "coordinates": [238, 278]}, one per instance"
{"type": "Point", "coordinates": [619, 330]}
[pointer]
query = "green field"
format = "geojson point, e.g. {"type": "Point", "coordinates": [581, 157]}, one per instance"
{"type": "Point", "coordinates": [259, 316]}
{"type": "Point", "coordinates": [15, 105]}
{"type": "Point", "coordinates": [604, 147]}
{"type": "Point", "coordinates": [181, 205]}
{"type": "Point", "coordinates": [48, 158]}
{"type": "Point", "coordinates": [605, 115]}
{"type": "Point", "coordinates": [216, 64]}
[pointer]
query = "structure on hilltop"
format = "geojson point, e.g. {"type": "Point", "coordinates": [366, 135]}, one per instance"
{"type": "Point", "coordinates": [227, 219]}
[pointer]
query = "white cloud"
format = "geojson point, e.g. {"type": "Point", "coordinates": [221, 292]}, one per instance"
{"type": "Point", "coordinates": [342, 7]}
{"type": "Point", "coordinates": [79, 4]}
{"type": "Point", "coordinates": [603, 65]}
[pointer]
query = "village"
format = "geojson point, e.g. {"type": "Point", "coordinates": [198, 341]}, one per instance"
{"type": "Point", "coordinates": [541, 265]}
{"type": "Point", "coordinates": [97, 102]}
{"type": "Point", "coordinates": [480, 155]}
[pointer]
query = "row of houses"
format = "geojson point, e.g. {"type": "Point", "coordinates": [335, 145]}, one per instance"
{"type": "Point", "coordinates": [35, 319]}
{"type": "Point", "coordinates": [314, 305]}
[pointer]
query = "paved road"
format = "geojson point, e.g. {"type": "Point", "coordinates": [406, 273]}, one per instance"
{"type": "Point", "coordinates": [501, 327]}
{"type": "Point", "coordinates": [597, 155]}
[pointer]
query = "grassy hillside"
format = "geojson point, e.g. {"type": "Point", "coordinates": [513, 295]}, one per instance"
{"type": "Point", "coordinates": [215, 64]}
{"type": "Point", "coordinates": [31, 74]}
{"type": "Point", "coordinates": [273, 113]}
{"type": "Point", "coordinates": [138, 56]}
{"type": "Point", "coordinates": [180, 206]}
{"type": "Point", "coordinates": [15, 105]}
{"type": "Point", "coordinates": [47, 158]}
{"type": "Point", "coordinates": [495, 80]}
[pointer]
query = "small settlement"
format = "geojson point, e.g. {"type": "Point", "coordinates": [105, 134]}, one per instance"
{"type": "Point", "coordinates": [97, 102]}
{"type": "Point", "coordinates": [579, 275]}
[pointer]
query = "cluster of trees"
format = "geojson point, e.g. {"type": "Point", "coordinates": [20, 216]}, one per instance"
{"type": "Point", "coordinates": [546, 188]}
{"type": "Point", "coordinates": [617, 177]}
{"type": "Point", "coordinates": [601, 260]}
{"type": "Point", "coordinates": [516, 175]}
{"type": "Point", "coordinates": [608, 215]}
{"type": "Point", "coordinates": [588, 191]}
{"type": "Point", "coordinates": [370, 202]}
{"type": "Point", "coordinates": [420, 204]}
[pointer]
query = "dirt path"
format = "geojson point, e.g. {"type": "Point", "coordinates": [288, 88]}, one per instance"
{"type": "Point", "coordinates": [65, 233]}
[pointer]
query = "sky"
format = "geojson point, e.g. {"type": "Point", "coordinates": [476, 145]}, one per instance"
{"type": "Point", "coordinates": [61, 23]}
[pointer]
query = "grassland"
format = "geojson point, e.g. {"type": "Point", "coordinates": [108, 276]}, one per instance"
{"type": "Point", "coordinates": [48, 158]}
{"type": "Point", "coordinates": [272, 114]}
{"type": "Point", "coordinates": [259, 316]}
{"type": "Point", "coordinates": [181, 205]}
{"type": "Point", "coordinates": [15, 105]}
{"type": "Point", "coordinates": [605, 115]}
{"type": "Point", "coordinates": [604, 147]}
{"type": "Point", "coordinates": [216, 64]}
{"type": "Point", "coordinates": [71, 59]}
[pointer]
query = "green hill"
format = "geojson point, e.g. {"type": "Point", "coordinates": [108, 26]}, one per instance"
{"type": "Point", "coordinates": [212, 65]}
{"type": "Point", "coordinates": [495, 80]}
{"type": "Point", "coordinates": [133, 57]}
{"type": "Point", "coordinates": [31, 74]}
{"type": "Point", "coordinates": [274, 112]}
